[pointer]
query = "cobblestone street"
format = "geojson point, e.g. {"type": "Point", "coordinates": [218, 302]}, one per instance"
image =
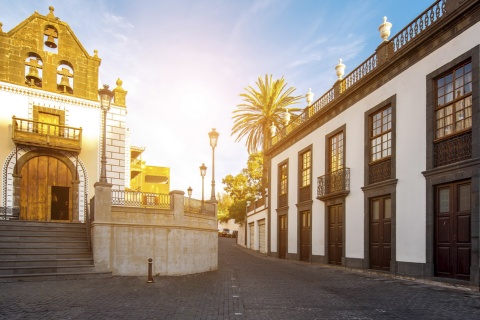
{"type": "Point", "coordinates": [246, 286]}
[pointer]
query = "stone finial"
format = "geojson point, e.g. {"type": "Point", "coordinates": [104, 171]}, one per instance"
{"type": "Point", "coordinates": [384, 29]}
{"type": "Point", "coordinates": [95, 53]}
{"type": "Point", "coordinates": [286, 117]}
{"type": "Point", "coordinates": [309, 97]}
{"type": "Point", "coordinates": [1, 24]}
{"type": "Point", "coordinates": [50, 14]}
{"type": "Point", "coordinates": [340, 69]}
{"type": "Point", "coordinates": [119, 94]}
{"type": "Point", "coordinates": [119, 83]}
{"type": "Point", "coordinates": [273, 130]}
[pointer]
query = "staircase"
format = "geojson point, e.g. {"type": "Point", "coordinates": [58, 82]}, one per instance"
{"type": "Point", "coordinates": [37, 251]}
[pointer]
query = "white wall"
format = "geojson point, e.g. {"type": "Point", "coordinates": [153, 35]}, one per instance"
{"type": "Point", "coordinates": [410, 90]}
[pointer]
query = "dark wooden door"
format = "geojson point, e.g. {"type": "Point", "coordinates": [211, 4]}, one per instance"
{"type": "Point", "coordinates": [380, 233]}
{"type": "Point", "coordinates": [335, 234]}
{"type": "Point", "coordinates": [305, 235]}
{"type": "Point", "coordinates": [452, 230]}
{"type": "Point", "coordinates": [39, 175]}
{"type": "Point", "coordinates": [282, 236]}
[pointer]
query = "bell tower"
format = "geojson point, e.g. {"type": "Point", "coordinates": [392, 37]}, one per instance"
{"type": "Point", "coordinates": [42, 52]}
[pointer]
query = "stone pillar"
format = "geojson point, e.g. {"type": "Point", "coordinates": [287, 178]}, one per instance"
{"type": "Point", "coordinates": [384, 52]}
{"type": "Point", "coordinates": [452, 5]}
{"type": "Point", "coordinates": [178, 204]}
{"type": "Point", "coordinates": [338, 88]}
{"type": "Point", "coordinates": [101, 227]}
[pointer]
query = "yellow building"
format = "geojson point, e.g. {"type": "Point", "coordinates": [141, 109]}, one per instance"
{"type": "Point", "coordinates": [147, 178]}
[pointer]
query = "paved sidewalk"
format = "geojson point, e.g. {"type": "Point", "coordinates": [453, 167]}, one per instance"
{"type": "Point", "coordinates": [246, 286]}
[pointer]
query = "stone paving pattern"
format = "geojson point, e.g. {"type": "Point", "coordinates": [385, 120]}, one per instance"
{"type": "Point", "coordinates": [247, 285]}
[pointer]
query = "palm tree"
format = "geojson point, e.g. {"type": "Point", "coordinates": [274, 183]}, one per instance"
{"type": "Point", "coordinates": [261, 109]}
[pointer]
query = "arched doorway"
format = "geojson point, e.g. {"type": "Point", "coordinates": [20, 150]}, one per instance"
{"type": "Point", "coordinates": [46, 190]}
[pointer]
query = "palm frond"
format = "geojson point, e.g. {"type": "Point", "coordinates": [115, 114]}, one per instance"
{"type": "Point", "coordinates": [262, 106]}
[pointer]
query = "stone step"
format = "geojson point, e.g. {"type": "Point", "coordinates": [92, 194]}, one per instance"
{"type": "Point", "coordinates": [42, 238]}
{"type": "Point", "coordinates": [43, 250]}
{"type": "Point", "coordinates": [53, 276]}
{"type": "Point", "coordinates": [39, 251]}
{"type": "Point", "coordinates": [46, 269]}
{"type": "Point", "coordinates": [44, 244]}
{"type": "Point", "coordinates": [43, 233]}
{"type": "Point", "coordinates": [43, 256]}
{"type": "Point", "coordinates": [46, 262]}
{"type": "Point", "coordinates": [32, 225]}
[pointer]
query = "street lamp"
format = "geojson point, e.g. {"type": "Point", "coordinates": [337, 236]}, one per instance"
{"type": "Point", "coordinates": [203, 172]}
{"type": "Point", "coordinates": [189, 190]}
{"type": "Point", "coordinates": [213, 135]}
{"type": "Point", "coordinates": [105, 100]}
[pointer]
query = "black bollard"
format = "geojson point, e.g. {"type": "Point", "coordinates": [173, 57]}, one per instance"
{"type": "Point", "coordinates": [150, 277]}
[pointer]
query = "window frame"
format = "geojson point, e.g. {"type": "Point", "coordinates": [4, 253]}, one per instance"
{"type": "Point", "coordinates": [372, 137]}
{"type": "Point", "coordinates": [452, 103]}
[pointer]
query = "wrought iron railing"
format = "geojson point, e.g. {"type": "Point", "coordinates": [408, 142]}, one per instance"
{"type": "Point", "coordinates": [380, 171]}
{"type": "Point", "coordinates": [142, 199]}
{"type": "Point", "coordinates": [336, 181]}
{"type": "Point", "coordinates": [400, 40]}
{"type": "Point", "coordinates": [283, 200]}
{"type": "Point", "coordinates": [418, 25]}
{"type": "Point", "coordinates": [452, 150]}
{"type": "Point", "coordinates": [47, 135]}
{"type": "Point", "coordinates": [305, 193]}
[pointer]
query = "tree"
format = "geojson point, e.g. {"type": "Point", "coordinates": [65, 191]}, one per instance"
{"type": "Point", "coordinates": [240, 188]}
{"type": "Point", "coordinates": [248, 182]}
{"type": "Point", "coordinates": [261, 109]}
{"type": "Point", "coordinates": [224, 202]}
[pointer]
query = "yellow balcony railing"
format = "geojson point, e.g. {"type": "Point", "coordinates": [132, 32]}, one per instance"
{"type": "Point", "coordinates": [46, 135]}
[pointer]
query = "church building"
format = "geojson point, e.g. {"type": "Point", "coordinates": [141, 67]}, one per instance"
{"type": "Point", "coordinates": [51, 123]}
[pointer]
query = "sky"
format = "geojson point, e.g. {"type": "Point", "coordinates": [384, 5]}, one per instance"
{"type": "Point", "coordinates": [184, 63]}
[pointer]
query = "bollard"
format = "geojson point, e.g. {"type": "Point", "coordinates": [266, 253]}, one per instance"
{"type": "Point", "coordinates": [150, 278]}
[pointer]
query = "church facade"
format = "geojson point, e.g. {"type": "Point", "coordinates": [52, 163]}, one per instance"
{"type": "Point", "coordinates": [51, 123]}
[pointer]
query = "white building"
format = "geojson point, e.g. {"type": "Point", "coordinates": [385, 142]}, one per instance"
{"type": "Point", "coordinates": [395, 150]}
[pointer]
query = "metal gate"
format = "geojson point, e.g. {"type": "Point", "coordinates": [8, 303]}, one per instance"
{"type": "Point", "coordinates": [261, 229]}
{"type": "Point", "coordinates": [251, 229]}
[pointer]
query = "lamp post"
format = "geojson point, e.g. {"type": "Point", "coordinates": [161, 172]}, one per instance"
{"type": "Point", "coordinates": [203, 172]}
{"type": "Point", "coordinates": [105, 100]}
{"type": "Point", "coordinates": [213, 135]}
{"type": "Point", "coordinates": [189, 190]}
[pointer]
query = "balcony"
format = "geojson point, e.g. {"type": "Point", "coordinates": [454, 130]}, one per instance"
{"type": "Point", "coordinates": [335, 184]}
{"type": "Point", "coordinates": [137, 165]}
{"type": "Point", "coordinates": [46, 135]}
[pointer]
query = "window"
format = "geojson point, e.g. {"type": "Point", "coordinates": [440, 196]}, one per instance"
{"type": "Point", "coordinates": [305, 175]}
{"type": "Point", "coordinates": [283, 179]}
{"type": "Point", "coordinates": [381, 134]}
{"type": "Point", "coordinates": [453, 112]}
{"type": "Point", "coordinates": [336, 152]}
{"type": "Point", "coordinates": [305, 168]}
{"type": "Point", "coordinates": [283, 185]}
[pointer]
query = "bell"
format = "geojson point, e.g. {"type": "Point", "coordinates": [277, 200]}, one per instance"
{"type": "Point", "coordinates": [64, 85]}
{"type": "Point", "coordinates": [51, 42]}
{"type": "Point", "coordinates": [32, 77]}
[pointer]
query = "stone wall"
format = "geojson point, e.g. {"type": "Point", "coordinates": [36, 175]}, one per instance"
{"type": "Point", "coordinates": [124, 238]}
